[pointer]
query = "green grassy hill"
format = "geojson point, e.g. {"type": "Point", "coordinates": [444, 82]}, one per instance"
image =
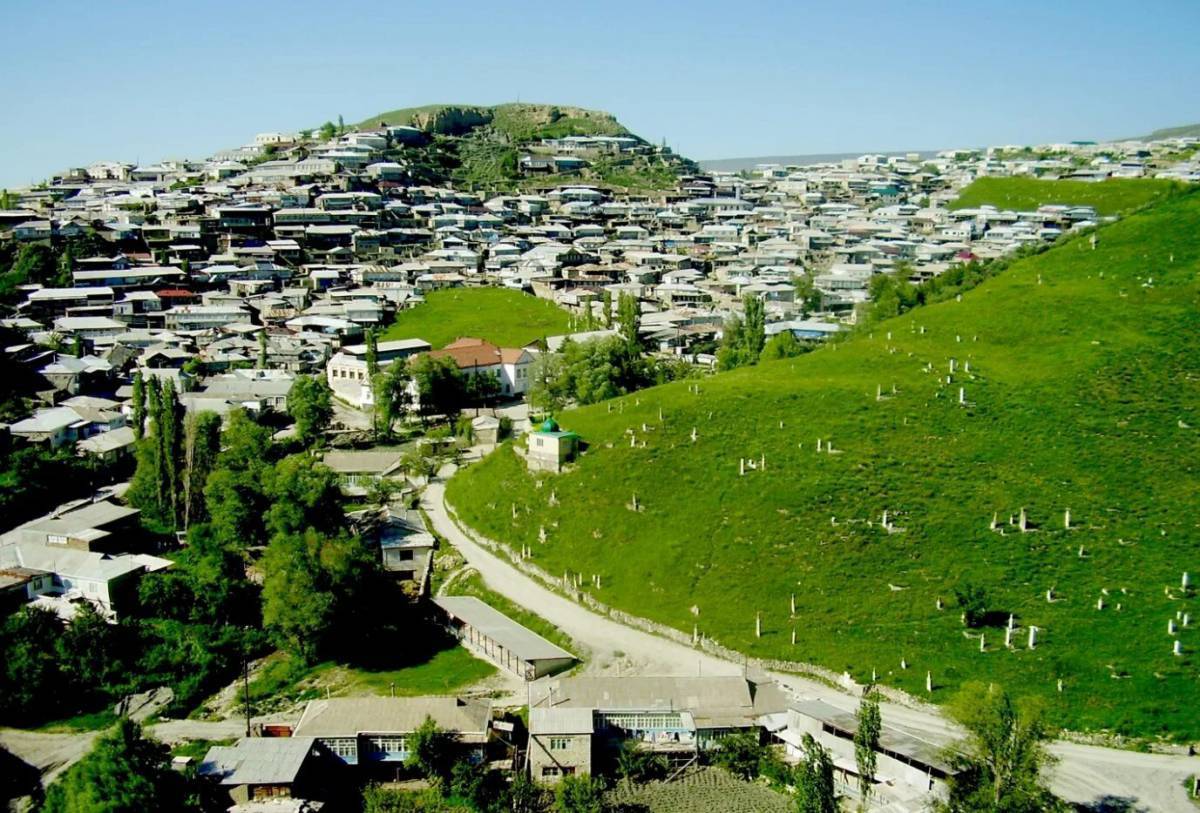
{"type": "Point", "coordinates": [1110, 197]}
{"type": "Point", "coordinates": [504, 317]}
{"type": "Point", "coordinates": [517, 120]}
{"type": "Point", "coordinates": [1083, 392]}
{"type": "Point", "coordinates": [1171, 132]}
{"type": "Point", "coordinates": [478, 147]}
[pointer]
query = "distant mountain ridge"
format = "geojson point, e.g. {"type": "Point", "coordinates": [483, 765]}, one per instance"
{"type": "Point", "coordinates": [1170, 132]}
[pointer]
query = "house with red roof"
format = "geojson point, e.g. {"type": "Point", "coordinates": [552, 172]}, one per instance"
{"type": "Point", "coordinates": [477, 356]}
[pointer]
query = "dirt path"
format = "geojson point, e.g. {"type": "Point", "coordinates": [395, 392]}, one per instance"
{"type": "Point", "coordinates": [1085, 774]}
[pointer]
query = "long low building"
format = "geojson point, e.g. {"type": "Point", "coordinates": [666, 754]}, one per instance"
{"type": "Point", "coordinates": [492, 634]}
{"type": "Point", "coordinates": [903, 758]}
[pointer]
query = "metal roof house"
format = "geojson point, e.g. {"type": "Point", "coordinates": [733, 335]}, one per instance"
{"type": "Point", "coordinates": [262, 768]}
{"type": "Point", "coordinates": [491, 634]}
{"type": "Point", "coordinates": [373, 731]}
{"type": "Point", "coordinates": [572, 721]}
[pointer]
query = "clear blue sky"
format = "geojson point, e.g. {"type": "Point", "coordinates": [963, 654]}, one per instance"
{"type": "Point", "coordinates": [134, 81]}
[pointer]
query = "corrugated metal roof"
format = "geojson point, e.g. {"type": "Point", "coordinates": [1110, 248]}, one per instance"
{"type": "Point", "coordinates": [522, 642]}
{"type": "Point", "coordinates": [350, 716]}
{"type": "Point", "coordinates": [257, 761]}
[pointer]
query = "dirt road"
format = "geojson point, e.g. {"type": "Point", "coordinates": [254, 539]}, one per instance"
{"type": "Point", "coordinates": [1084, 774]}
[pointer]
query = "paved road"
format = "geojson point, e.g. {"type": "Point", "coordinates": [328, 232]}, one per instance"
{"type": "Point", "coordinates": [1084, 774]}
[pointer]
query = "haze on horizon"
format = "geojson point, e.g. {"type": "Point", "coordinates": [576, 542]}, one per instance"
{"type": "Point", "coordinates": [143, 81]}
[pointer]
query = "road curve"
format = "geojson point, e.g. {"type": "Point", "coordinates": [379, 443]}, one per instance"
{"type": "Point", "coordinates": [1083, 774]}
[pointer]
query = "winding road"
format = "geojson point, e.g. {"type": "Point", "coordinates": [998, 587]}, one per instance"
{"type": "Point", "coordinates": [1106, 778]}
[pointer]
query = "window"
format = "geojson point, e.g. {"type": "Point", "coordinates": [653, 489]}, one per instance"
{"type": "Point", "coordinates": [550, 770]}
{"type": "Point", "coordinates": [344, 747]}
{"type": "Point", "coordinates": [559, 743]}
{"type": "Point", "coordinates": [387, 745]}
{"type": "Point", "coordinates": [406, 555]}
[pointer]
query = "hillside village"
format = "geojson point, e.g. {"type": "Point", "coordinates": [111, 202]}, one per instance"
{"type": "Point", "coordinates": [263, 292]}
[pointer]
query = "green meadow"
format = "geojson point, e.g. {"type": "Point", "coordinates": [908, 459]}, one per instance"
{"type": "Point", "coordinates": [1111, 197]}
{"type": "Point", "coordinates": [505, 317]}
{"type": "Point", "coordinates": [1083, 393]}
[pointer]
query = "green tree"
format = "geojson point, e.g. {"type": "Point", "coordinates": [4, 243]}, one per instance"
{"type": "Point", "coordinates": [235, 492]}
{"type": "Point", "coordinates": [66, 267]}
{"type": "Point", "coordinates": [313, 591]}
{"type": "Point", "coordinates": [579, 794]}
{"type": "Point", "coordinates": [139, 405]}
{"type": "Point", "coordinates": [124, 773]}
{"type": "Point", "coordinates": [635, 764]}
{"type": "Point", "coordinates": [1001, 761]}
{"type": "Point", "coordinates": [732, 352]}
{"type": "Point", "coordinates": [262, 349]}
{"type": "Point", "coordinates": [629, 319]}
{"type": "Point", "coordinates": [606, 309]}
{"type": "Point", "coordinates": [972, 598]}
{"type": "Point", "coordinates": [806, 293]}
{"type": "Point", "coordinates": [741, 754]}
{"type": "Point", "coordinates": [91, 656]}
{"type": "Point", "coordinates": [754, 334]}
{"type": "Point", "coordinates": [526, 796]}
{"type": "Point", "coordinates": [328, 130]}
{"type": "Point", "coordinates": [866, 744]}
{"type": "Point", "coordinates": [440, 386]}
{"type": "Point", "coordinates": [35, 263]}
{"type": "Point", "coordinates": [483, 388]}
{"type": "Point", "coordinates": [431, 753]}
{"type": "Point", "coordinates": [303, 494]}
{"type": "Point", "coordinates": [422, 461]}
{"type": "Point", "coordinates": [341, 125]}
{"type": "Point", "coordinates": [32, 685]}
{"type": "Point", "coordinates": [782, 345]}
{"type": "Point", "coordinates": [813, 780]}
{"type": "Point", "coordinates": [156, 487]}
{"type": "Point", "coordinates": [169, 431]}
{"type": "Point", "coordinates": [296, 607]}
{"type": "Point", "coordinates": [390, 392]}
{"type": "Point", "coordinates": [202, 446]}
{"type": "Point", "coordinates": [310, 404]}
{"type": "Point", "coordinates": [549, 385]}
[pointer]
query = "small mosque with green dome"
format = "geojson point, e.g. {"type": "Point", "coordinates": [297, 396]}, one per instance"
{"type": "Point", "coordinates": [549, 447]}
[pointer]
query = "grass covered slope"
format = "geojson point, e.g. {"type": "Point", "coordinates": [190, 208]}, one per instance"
{"type": "Point", "coordinates": [516, 120]}
{"type": "Point", "coordinates": [1110, 197]}
{"type": "Point", "coordinates": [504, 317]}
{"type": "Point", "coordinates": [1083, 393]}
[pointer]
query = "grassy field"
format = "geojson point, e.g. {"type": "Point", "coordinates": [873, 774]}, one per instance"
{"type": "Point", "coordinates": [284, 680]}
{"type": "Point", "coordinates": [1026, 194]}
{"type": "Point", "coordinates": [1083, 393]}
{"type": "Point", "coordinates": [504, 317]}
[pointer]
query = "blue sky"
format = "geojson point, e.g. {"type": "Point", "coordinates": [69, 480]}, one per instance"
{"type": "Point", "coordinates": [134, 81]}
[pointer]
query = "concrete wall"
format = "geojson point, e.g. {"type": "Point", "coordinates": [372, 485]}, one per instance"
{"type": "Point", "coordinates": [577, 755]}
